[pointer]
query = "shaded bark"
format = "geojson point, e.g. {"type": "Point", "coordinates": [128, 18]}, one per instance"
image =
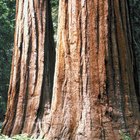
{"type": "Point", "coordinates": [94, 90]}
{"type": "Point", "coordinates": [94, 93]}
{"type": "Point", "coordinates": [135, 23]}
{"type": "Point", "coordinates": [30, 90]}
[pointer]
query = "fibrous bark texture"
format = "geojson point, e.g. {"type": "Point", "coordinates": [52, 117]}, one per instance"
{"type": "Point", "coordinates": [32, 71]}
{"type": "Point", "coordinates": [135, 23]}
{"type": "Point", "coordinates": [94, 94]}
{"type": "Point", "coordinates": [94, 91]}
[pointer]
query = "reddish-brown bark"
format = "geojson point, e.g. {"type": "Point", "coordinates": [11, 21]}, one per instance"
{"type": "Point", "coordinates": [32, 71]}
{"type": "Point", "coordinates": [94, 91]}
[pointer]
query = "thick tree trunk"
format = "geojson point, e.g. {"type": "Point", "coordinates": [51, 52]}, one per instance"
{"type": "Point", "coordinates": [30, 90]}
{"type": "Point", "coordinates": [135, 22]}
{"type": "Point", "coordinates": [94, 91]}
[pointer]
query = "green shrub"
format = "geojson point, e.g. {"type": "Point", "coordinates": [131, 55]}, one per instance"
{"type": "Point", "coordinates": [18, 137]}
{"type": "Point", "coordinates": [125, 136]}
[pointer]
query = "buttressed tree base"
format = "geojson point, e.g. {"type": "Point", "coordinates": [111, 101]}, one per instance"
{"type": "Point", "coordinates": [94, 96]}
{"type": "Point", "coordinates": [30, 90]}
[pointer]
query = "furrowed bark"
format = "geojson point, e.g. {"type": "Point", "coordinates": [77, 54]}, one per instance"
{"type": "Point", "coordinates": [136, 47]}
{"type": "Point", "coordinates": [94, 95]}
{"type": "Point", "coordinates": [94, 90]}
{"type": "Point", "coordinates": [30, 89]}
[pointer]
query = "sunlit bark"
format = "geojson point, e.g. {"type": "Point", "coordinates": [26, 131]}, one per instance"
{"type": "Point", "coordinates": [31, 82]}
{"type": "Point", "coordinates": [94, 91]}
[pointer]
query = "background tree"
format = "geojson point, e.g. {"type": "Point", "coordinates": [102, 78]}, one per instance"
{"type": "Point", "coordinates": [94, 89]}
{"type": "Point", "coordinates": [31, 81]}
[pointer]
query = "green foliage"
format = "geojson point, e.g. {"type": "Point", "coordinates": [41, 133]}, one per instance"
{"type": "Point", "coordinates": [18, 137]}
{"type": "Point", "coordinates": [54, 4]}
{"type": "Point", "coordinates": [125, 136]}
{"type": "Point", "coordinates": [7, 20]}
{"type": "Point", "coordinates": [0, 125]}
{"type": "Point", "coordinates": [2, 108]}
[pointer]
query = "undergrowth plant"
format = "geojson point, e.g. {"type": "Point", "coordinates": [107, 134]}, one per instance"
{"type": "Point", "coordinates": [125, 136]}
{"type": "Point", "coordinates": [18, 137]}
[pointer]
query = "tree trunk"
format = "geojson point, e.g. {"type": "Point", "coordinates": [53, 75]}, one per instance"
{"type": "Point", "coordinates": [31, 82]}
{"type": "Point", "coordinates": [94, 90]}
{"type": "Point", "coordinates": [135, 20]}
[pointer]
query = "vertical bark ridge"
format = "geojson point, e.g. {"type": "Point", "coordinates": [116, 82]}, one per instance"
{"type": "Point", "coordinates": [58, 120]}
{"type": "Point", "coordinates": [24, 72]}
{"type": "Point", "coordinates": [127, 115]}
{"type": "Point", "coordinates": [32, 68]}
{"type": "Point", "coordinates": [80, 115]}
{"type": "Point", "coordinates": [45, 63]}
{"type": "Point", "coordinates": [117, 72]}
{"type": "Point", "coordinates": [49, 62]}
{"type": "Point", "coordinates": [92, 89]}
{"type": "Point", "coordinates": [94, 93]}
{"type": "Point", "coordinates": [135, 47]}
{"type": "Point", "coordinates": [34, 98]}
{"type": "Point", "coordinates": [129, 90]}
{"type": "Point", "coordinates": [15, 76]}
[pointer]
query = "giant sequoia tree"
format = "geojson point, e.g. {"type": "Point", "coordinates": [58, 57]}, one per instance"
{"type": "Point", "coordinates": [94, 89]}
{"type": "Point", "coordinates": [32, 68]}
{"type": "Point", "coordinates": [94, 94]}
{"type": "Point", "coordinates": [135, 19]}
